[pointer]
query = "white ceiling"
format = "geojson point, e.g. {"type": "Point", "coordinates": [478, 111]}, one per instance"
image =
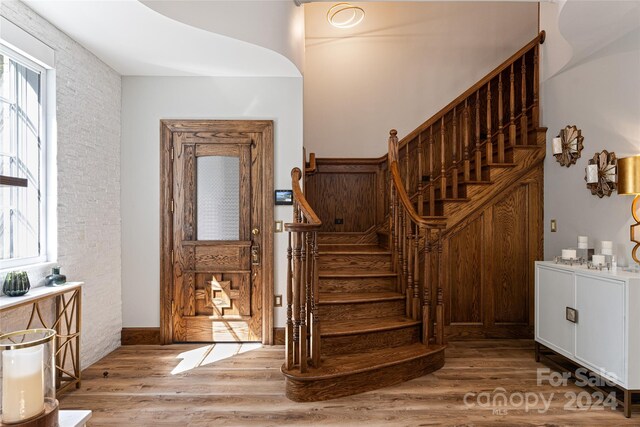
{"type": "Point", "coordinates": [135, 40]}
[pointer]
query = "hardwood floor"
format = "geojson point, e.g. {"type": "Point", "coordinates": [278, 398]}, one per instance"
{"type": "Point", "coordinates": [247, 389]}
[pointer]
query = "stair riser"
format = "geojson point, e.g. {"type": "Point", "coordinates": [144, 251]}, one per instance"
{"type": "Point", "coordinates": [358, 284]}
{"type": "Point", "coordinates": [369, 262]}
{"type": "Point", "coordinates": [346, 385]}
{"type": "Point", "coordinates": [361, 343]}
{"type": "Point", "coordinates": [329, 312]}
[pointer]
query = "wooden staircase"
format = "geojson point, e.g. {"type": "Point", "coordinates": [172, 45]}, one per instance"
{"type": "Point", "coordinates": [367, 340]}
{"type": "Point", "coordinates": [366, 309]}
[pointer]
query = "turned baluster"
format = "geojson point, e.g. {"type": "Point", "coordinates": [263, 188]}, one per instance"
{"type": "Point", "coordinates": [500, 121]}
{"type": "Point", "coordinates": [535, 113]}
{"type": "Point", "coordinates": [467, 161]}
{"type": "Point", "coordinates": [315, 318]}
{"type": "Point", "coordinates": [403, 248]}
{"type": "Point", "coordinates": [440, 305]}
{"type": "Point", "coordinates": [512, 108]}
{"type": "Point", "coordinates": [289, 350]}
{"type": "Point", "coordinates": [426, 289]}
{"type": "Point", "coordinates": [524, 125]}
{"type": "Point", "coordinates": [420, 172]}
{"type": "Point", "coordinates": [478, 152]}
{"type": "Point", "coordinates": [407, 187]}
{"type": "Point", "coordinates": [308, 271]}
{"type": "Point", "coordinates": [489, 136]}
{"type": "Point", "coordinates": [409, 294]}
{"type": "Point", "coordinates": [416, 275]}
{"type": "Point", "coordinates": [443, 160]}
{"type": "Point", "coordinates": [454, 172]}
{"type": "Point", "coordinates": [304, 289]}
{"type": "Point", "coordinates": [432, 187]}
{"type": "Point", "coordinates": [297, 278]}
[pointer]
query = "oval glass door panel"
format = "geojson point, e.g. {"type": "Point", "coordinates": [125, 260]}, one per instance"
{"type": "Point", "coordinates": [218, 198]}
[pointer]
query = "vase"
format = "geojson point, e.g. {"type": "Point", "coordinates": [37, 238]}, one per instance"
{"type": "Point", "coordinates": [55, 278]}
{"type": "Point", "coordinates": [16, 284]}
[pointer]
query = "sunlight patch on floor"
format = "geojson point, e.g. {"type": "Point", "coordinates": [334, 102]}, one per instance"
{"type": "Point", "coordinates": [209, 354]}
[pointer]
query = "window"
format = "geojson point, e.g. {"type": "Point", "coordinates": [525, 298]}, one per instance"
{"type": "Point", "coordinates": [22, 155]}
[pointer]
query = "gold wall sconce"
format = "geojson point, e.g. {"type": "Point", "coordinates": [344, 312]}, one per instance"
{"type": "Point", "coordinates": [629, 183]}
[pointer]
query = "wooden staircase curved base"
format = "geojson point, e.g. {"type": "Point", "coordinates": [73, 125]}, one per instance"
{"type": "Point", "coordinates": [331, 383]}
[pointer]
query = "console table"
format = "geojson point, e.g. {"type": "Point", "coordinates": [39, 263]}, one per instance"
{"type": "Point", "coordinates": [592, 318]}
{"type": "Point", "coordinates": [66, 322]}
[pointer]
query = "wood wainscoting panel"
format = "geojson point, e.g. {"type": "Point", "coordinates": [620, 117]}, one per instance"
{"type": "Point", "coordinates": [464, 262]}
{"type": "Point", "coordinates": [140, 336]}
{"type": "Point", "coordinates": [510, 256]}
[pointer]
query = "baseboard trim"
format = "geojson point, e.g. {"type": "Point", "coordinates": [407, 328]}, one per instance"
{"type": "Point", "coordinates": [140, 336]}
{"type": "Point", "coordinates": [278, 336]}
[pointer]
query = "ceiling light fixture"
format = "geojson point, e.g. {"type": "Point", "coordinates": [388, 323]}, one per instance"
{"type": "Point", "coordinates": [345, 15]}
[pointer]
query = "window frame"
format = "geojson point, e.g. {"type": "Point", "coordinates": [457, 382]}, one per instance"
{"type": "Point", "coordinates": [44, 164]}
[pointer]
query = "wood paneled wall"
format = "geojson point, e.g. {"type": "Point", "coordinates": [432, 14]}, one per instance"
{"type": "Point", "coordinates": [351, 191]}
{"type": "Point", "coordinates": [489, 265]}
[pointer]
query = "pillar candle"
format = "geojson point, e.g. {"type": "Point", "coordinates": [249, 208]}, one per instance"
{"type": "Point", "coordinates": [607, 247]}
{"type": "Point", "coordinates": [22, 384]}
{"type": "Point", "coordinates": [583, 242]}
{"type": "Point", "coordinates": [569, 253]}
{"type": "Point", "coordinates": [598, 260]}
{"type": "Point", "coordinates": [557, 145]}
{"type": "Point", "coordinates": [592, 174]}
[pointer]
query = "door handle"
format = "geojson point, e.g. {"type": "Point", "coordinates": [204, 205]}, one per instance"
{"type": "Point", "coordinates": [255, 254]}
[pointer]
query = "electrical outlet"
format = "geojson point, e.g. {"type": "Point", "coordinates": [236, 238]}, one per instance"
{"type": "Point", "coordinates": [554, 226]}
{"type": "Point", "coordinates": [279, 227]}
{"type": "Point", "coordinates": [277, 300]}
{"type": "Point", "coordinates": [339, 221]}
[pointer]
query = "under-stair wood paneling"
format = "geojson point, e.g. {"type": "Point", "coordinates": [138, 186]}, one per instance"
{"type": "Point", "coordinates": [489, 258]}
{"type": "Point", "coordinates": [351, 190]}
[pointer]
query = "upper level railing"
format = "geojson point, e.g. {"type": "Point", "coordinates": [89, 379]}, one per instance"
{"type": "Point", "coordinates": [497, 112]}
{"type": "Point", "coordinates": [302, 345]}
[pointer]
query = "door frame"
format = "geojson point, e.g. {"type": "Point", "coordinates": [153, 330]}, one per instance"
{"type": "Point", "coordinates": [263, 143]}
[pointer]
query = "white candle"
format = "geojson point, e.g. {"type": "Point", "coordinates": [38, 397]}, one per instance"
{"type": "Point", "coordinates": [22, 384]}
{"type": "Point", "coordinates": [592, 174]}
{"type": "Point", "coordinates": [607, 251]}
{"type": "Point", "coordinates": [607, 244]}
{"type": "Point", "coordinates": [557, 145]}
{"type": "Point", "coordinates": [583, 242]}
{"type": "Point", "coordinates": [569, 254]}
{"type": "Point", "coordinates": [598, 260]}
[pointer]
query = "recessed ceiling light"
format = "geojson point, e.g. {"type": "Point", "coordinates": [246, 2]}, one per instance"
{"type": "Point", "coordinates": [345, 15]}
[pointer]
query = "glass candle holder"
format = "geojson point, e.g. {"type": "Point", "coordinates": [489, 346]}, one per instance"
{"type": "Point", "coordinates": [28, 374]}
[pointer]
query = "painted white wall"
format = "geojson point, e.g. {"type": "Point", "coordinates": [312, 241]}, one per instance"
{"type": "Point", "coordinates": [147, 100]}
{"type": "Point", "coordinates": [275, 24]}
{"type": "Point", "coordinates": [136, 40]}
{"type": "Point", "coordinates": [87, 130]}
{"type": "Point", "coordinates": [601, 95]}
{"type": "Point", "coordinates": [401, 65]}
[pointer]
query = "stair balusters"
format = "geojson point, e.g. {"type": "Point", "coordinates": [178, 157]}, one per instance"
{"type": "Point", "coordinates": [302, 342]}
{"type": "Point", "coordinates": [410, 228]}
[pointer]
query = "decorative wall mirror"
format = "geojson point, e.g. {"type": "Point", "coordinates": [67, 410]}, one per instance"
{"type": "Point", "coordinates": [567, 146]}
{"type": "Point", "coordinates": [600, 174]}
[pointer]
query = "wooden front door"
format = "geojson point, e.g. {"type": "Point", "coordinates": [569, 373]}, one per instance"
{"type": "Point", "coordinates": [217, 223]}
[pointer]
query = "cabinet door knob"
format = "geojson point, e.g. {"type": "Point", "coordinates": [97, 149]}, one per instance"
{"type": "Point", "coordinates": [571, 315]}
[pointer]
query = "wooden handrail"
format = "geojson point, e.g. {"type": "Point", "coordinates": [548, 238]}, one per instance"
{"type": "Point", "coordinates": [399, 186]}
{"type": "Point", "coordinates": [312, 166]}
{"type": "Point", "coordinates": [313, 222]}
{"type": "Point", "coordinates": [539, 39]}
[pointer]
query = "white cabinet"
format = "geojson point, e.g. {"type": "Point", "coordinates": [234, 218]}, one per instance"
{"type": "Point", "coordinates": [605, 336]}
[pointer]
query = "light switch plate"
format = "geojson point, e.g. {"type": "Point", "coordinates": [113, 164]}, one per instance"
{"type": "Point", "coordinates": [554, 226]}
{"type": "Point", "coordinates": [279, 227]}
{"type": "Point", "coordinates": [277, 300]}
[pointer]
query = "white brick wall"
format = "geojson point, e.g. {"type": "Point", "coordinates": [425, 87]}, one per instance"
{"type": "Point", "coordinates": [88, 162]}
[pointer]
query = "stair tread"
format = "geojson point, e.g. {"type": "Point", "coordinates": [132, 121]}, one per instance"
{"type": "Point", "coordinates": [348, 364]}
{"type": "Point", "coordinates": [355, 326]}
{"type": "Point", "coordinates": [357, 297]}
{"type": "Point", "coordinates": [500, 165]}
{"type": "Point", "coordinates": [380, 251]}
{"type": "Point", "coordinates": [343, 273]}
{"type": "Point", "coordinates": [350, 248]}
